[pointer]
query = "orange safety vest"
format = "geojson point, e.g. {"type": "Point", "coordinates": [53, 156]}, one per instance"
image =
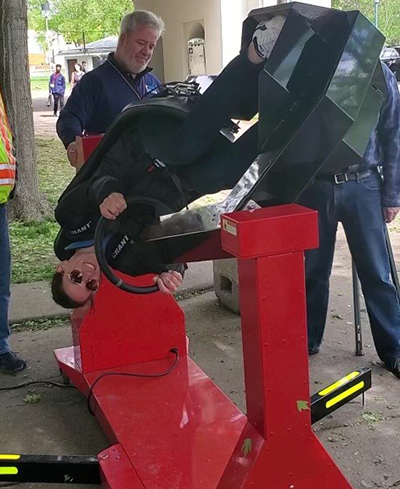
{"type": "Point", "coordinates": [7, 160]}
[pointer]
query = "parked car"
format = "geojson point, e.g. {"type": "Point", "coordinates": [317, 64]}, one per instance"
{"type": "Point", "coordinates": [391, 57]}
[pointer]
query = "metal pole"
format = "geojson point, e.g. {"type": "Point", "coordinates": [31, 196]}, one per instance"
{"type": "Point", "coordinates": [356, 293]}
{"type": "Point", "coordinates": [393, 270]}
{"type": "Point", "coordinates": [357, 313]}
{"type": "Point", "coordinates": [48, 42]}
{"type": "Point", "coordinates": [45, 10]}
{"type": "Point", "coordinates": [376, 5]}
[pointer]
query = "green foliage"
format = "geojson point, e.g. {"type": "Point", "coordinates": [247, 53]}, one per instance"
{"type": "Point", "coordinates": [40, 83]}
{"type": "Point", "coordinates": [55, 172]}
{"type": "Point", "coordinates": [71, 18]}
{"type": "Point", "coordinates": [41, 324]}
{"type": "Point", "coordinates": [32, 242]}
{"type": "Point", "coordinates": [372, 418]}
{"type": "Point", "coordinates": [388, 16]}
{"type": "Point", "coordinates": [36, 21]}
{"type": "Point", "coordinates": [32, 398]}
{"type": "Point", "coordinates": [32, 250]}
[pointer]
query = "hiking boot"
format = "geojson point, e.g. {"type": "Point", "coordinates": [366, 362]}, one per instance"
{"type": "Point", "coordinates": [266, 35]}
{"type": "Point", "coordinates": [11, 363]}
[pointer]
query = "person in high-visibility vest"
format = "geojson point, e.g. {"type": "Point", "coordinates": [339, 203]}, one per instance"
{"type": "Point", "coordinates": [9, 361]}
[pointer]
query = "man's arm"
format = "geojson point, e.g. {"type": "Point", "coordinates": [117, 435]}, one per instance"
{"type": "Point", "coordinates": [389, 137]}
{"type": "Point", "coordinates": [78, 110]}
{"type": "Point", "coordinates": [63, 83]}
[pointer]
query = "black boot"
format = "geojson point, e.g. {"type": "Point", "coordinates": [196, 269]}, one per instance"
{"type": "Point", "coordinates": [11, 363]}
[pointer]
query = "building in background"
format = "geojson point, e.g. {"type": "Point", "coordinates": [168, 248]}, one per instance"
{"type": "Point", "coordinates": [202, 36]}
{"type": "Point", "coordinates": [94, 53]}
{"type": "Point", "coordinates": [41, 62]}
{"type": "Point", "coordinates": [37, 56]}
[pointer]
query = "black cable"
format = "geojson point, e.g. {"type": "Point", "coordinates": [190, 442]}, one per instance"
{"type": "Point", "coordinates": [175, 351]}
{"type": "Point", "coordinates": [32, 382]}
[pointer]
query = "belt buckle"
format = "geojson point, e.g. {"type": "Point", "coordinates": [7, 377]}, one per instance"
{"type": "Point", "coordinates": [335, 178]}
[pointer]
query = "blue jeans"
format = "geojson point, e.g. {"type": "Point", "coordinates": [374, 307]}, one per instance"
{"type": "Point", "coordinates": [5, 271]}
{"type": "Point", "coordinates": [357, 205]}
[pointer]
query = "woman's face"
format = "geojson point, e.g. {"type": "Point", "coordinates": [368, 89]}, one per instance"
{"type": "Point", "coordinates": [81, 276]}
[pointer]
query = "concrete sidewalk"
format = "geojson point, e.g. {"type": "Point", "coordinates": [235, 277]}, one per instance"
{"type": "Point", "coordinates": [33, 301]}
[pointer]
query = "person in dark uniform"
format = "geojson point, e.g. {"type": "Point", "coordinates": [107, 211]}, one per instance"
{"type": "Point", "coordinates": [359, 199]}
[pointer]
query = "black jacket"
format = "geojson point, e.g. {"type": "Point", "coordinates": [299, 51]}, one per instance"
{"type": "Point", "coordinates": [128, 169]}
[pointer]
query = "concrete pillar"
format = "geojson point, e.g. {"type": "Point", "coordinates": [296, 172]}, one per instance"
{"type": "Point", "coordinates": [226, 283]}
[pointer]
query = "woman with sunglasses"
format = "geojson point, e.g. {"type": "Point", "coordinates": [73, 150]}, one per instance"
{"type": "Point", "coordinates": [78, 279]}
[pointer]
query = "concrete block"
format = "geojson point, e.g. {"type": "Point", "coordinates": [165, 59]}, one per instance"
{"type": "Point", "coordinates": [226, 283]}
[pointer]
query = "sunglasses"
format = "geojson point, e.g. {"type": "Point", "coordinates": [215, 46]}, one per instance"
{"type": "Point", "coordinates": [76, 277]}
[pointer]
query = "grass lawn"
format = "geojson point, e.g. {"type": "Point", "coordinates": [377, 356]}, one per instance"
{"type": "Point", "coordinates": [40, 83]}
{"type": "Point", "coordinates": [32, 243]}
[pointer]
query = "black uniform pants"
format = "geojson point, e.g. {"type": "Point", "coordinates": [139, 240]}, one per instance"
{"type": "Point", "coordinates": [58, 102]}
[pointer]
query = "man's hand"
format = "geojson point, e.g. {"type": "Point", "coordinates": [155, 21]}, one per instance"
{"type": "Point", "coordinates": [75, 154]}
{"type": "Point", "coordinates": [389, 213]}
{"type": "Point", "coordinates": [168, 282]}
{"type": "Point", "coordinates": [113, 206]}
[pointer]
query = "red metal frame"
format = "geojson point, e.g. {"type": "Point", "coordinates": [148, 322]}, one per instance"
{"type": "Point", "coordinates": [180, 431]}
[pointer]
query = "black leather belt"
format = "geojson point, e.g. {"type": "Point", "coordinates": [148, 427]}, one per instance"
{"type": "Point", "coordinates": [345, 177]}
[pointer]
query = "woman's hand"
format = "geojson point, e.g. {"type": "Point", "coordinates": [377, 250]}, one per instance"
{"type": "Point", "coordinates": [169, 282]}
{"type": "Point", "coordinates": [113, 206]}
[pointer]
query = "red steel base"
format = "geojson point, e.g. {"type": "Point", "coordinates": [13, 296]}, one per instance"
{"type": "Point", "coordinates": [180, 431]}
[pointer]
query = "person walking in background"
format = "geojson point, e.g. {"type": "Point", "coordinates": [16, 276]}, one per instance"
{"type": "Point", "coordinates": [76, 75]}
{"type": "Point", "coordinates": [9, 361]}
{"type": "Point", "coordinates": [57, 89]}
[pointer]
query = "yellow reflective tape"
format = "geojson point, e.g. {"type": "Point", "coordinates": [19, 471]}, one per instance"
{"type": "Point", "coordinates": [9, 457]}
{"type": "Point", "coordinates": [345, 394]}
{"type": "Point", "coordinates": [339, 383]}
{"type": "Point", "coordinates": [8, 471]}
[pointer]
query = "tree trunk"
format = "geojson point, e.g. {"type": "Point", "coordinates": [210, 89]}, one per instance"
{"type": "Point", "coordinates": [15, 84]}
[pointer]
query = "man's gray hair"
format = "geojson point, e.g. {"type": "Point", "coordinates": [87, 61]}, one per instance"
{"type": "Point", "coordinates": [139, 18]}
